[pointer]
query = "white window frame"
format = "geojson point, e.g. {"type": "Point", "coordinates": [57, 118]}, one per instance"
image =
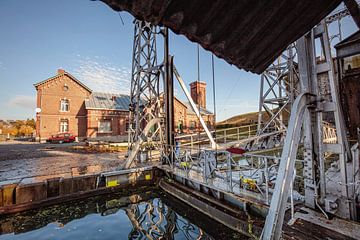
{"type": "Point", "coordinates": [64, 105]}
{"type": "Point", "coordinates": [64, 125]}
{"type": "Point", "coordinates": [100, 127]}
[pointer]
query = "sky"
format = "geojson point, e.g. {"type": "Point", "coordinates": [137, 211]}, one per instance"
{"type": "Point", "coordinates": [89, 40]}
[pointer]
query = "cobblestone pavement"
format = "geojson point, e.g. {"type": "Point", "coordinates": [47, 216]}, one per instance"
{"type": "Point", "coordinates": [26, 160]}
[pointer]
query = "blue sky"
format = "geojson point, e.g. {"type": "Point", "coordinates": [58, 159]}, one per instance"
{"type": "Point", "coordinates": [88, 39]}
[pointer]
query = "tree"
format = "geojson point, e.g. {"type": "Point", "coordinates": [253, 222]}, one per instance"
{"type": "Point", "coordinates": [18, 124]}
{"type": "Point", "coordinates": [10, 130]}
{"type": "Point", "coordinates": [30, 122]}
{"type": "Point", "coordinates": [26, 130]}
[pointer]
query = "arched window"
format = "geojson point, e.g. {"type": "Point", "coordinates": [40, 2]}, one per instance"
{"type": "Point", "coordinates": [64, 105]}
{"type": "Point", "coordinates": [64, 125]}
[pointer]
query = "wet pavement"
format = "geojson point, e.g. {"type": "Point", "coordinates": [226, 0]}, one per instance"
{"type": "Point", "coordinates": [27, 160]}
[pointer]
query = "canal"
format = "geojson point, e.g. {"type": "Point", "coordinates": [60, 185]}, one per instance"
{"type": "Point", "coordinates": [144, 213]}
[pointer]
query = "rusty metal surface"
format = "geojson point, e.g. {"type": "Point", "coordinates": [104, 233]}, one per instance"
{"type": "Point", "coordinates": [350, 46]}
{"type": "Point", "coordinates": [346, 52]}
{"type": "Point", "coordinates": [350, 89]}
{"type": "Point", "coordinates": [354, 10]}
{"type": "Point", "coordinates": [249, 34]}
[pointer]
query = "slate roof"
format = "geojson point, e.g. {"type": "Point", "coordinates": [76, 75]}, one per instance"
{"type": "Point", "coordinates": [98, 100]}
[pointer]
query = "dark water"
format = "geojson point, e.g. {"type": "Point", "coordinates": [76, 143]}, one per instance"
{"type": "Point", "coordinates": [149, 214]}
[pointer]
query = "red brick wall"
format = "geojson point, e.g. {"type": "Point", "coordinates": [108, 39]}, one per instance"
{"type": "Point", "coordinates": [198, 93]}
{"type": "Point", "coordinates": [209, 120]}
{"type": "Point", "coordinates": [85, 123]}
{"type": "Point", "coordinates": [49, 96]}
{"type": "Point", "coordinates": [118, 122]}
{"type": "Point", "coordinates": [179, 115]}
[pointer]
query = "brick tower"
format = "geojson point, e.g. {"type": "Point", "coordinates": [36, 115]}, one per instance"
{"type": "Point", "coordinates": [198, 93]}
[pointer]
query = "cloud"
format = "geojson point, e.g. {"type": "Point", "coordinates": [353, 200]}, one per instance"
{"type": "Point", "coordinates": [22, 101]}
{"type": "Point", "coordinates": [103, 76]}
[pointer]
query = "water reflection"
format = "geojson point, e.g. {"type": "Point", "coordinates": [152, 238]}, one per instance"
{"type": "Point", "coordinates": [154, 220]}
{"type": "Point", "coordinates": [146, 215]}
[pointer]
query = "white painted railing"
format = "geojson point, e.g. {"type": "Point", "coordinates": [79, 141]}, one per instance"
{"type": "Point", "coordinates": [221, 136]}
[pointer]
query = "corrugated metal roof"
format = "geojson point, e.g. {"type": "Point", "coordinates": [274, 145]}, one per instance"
{"type": "Point", "coordinates": [108, 101]}
{"type": "Point", "coordinates": [247, 33]}
{"type": "Point", "coordinates": [104, 101]}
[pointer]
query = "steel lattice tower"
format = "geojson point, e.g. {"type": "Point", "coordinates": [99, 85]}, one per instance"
{"type": "Point", "coordinates": [278, 90]}
{"type": "Point", "coordinates": [145, 104]}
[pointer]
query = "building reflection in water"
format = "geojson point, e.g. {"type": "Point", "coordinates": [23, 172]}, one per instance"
{"type": "Point", "coordinates": [143, 216]}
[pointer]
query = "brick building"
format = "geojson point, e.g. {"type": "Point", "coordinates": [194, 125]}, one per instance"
{"type": "Point", "coordinates": [64, 104]}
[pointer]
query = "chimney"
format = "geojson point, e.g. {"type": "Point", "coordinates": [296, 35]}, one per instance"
{"type": "Point", "coordinates": [198, 93]}
{"type": "Point", "coordinates": [113, 98]}
{"type": "Point", "coordinates": [60, 71]}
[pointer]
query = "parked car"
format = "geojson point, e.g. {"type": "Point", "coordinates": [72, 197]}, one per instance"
{"type": "Point", "coordinates": [62, 138]}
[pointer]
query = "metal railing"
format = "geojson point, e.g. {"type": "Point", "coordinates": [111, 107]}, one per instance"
{"type": "Point", "coordinates": [329, 133]}
{"type": "Point", "coordinates": [220, 135]}
{"type": "Point", "coordinates": [245, 175]}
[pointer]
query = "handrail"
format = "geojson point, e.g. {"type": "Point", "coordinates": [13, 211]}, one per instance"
{"type": "Point", "coordinates": [220, 135]}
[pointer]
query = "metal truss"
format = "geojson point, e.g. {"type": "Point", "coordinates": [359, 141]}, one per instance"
{"type": "Point", "coordinates": [280, 83]}
{"type": "Point", "coordinates": [319, 72]}
{"type": "Point", "coordinates": [145, 92]}
{"type": "Point", "coordinates": [278, 89]}
{"type": "Point", "coordinates": [331, 193]}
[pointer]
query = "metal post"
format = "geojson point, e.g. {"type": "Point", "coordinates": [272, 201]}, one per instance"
{"type": "Point", "coordinates": [266, 180]}
{"type": "Point", "coordinates": [169, 91]}
{"type": "Point", "coordinates": [195, 109]}
{"type": "Point", "coordinates": [275, 217]}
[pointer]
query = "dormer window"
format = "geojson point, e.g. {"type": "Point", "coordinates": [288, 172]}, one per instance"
{"type": "Point", "coordinates": [64, 105]}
